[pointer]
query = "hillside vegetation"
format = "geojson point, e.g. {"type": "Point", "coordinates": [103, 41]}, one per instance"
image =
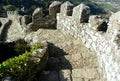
{"type": "Point", "coordinates": [27, 6]}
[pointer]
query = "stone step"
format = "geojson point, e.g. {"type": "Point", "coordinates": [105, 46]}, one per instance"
{"type": "Point", "coordinates": [72, 61]}
{"type": "Point", "coordinates": [84, 74]}
{"type": "Point", "coordinates": [69, 57]}
{"type": "Point", "coordinates": [80, 74]}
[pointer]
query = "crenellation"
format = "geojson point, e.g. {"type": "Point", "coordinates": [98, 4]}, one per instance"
{"type": "Point", "coordinates": [97, 35]}
{"type": "Point", "coordinates": [54, 8]}
{"type": "Point", "coordinates": [12, 14]}
{"type": "Point", "coordinates": [95, 32]}
{"type": "Point", "coordinates": [81, 13]}
{"type": "Point", "coordinates": [66, 8]}
{"type": "Point", "coordinates": [37, 15]}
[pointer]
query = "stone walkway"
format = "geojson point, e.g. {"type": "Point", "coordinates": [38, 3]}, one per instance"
{"type": "Point", "coordinates": [69, 59]}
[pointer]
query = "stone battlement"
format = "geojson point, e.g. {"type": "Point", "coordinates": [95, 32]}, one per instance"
{"type": "Point", "coordinates": [37, 20]}
{"type": "Point", "coordinates": [80, 13]}
{"type": "Point", "coordinates": [96, 34]}
{"type": "Point", "coordinates": [12, 14]}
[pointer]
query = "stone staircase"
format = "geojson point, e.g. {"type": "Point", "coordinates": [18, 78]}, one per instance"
{"type": "Point", "coordinates": [69, 59]}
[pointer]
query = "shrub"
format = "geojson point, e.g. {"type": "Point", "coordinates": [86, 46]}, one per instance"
{"type": "Point", "coordinates": [13, 49]}
{"type": "Point", "coordinates": [20, 67]}
{"type": "Point", "coordinates": [9, 7]}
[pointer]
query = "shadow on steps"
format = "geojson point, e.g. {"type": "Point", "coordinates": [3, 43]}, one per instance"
{"type": "Point", "coordinates": [57, 60]}
{"type": "Point", "coordinates": [56, 64]}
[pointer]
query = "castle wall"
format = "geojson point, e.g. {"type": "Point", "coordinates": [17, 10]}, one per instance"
{"type": "Point", "coordinates": [94, 32]}
{"type": "Point", "coordinates": [103, 43]}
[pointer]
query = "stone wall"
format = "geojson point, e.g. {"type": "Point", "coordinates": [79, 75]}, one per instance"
{"type": "Point", "coordinates": [97, 35]}
{"type": "Point", "coordinates": [40, 20]}
{"type": "Point", "coordinates": [22, 25]}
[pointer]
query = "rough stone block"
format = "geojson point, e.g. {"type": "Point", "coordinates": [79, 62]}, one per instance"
{"type": "Point", "coordinates": [54, 8]}
{"type": "Point", "coordinates": [89, 73]}
{"type": "Point", "coordinates": [25, 20]}
{"type": "Point", "coordinates": [66, 8]}
{"type": "Point", "coordinates": [78, 79]}
{"type": "Point", "coordinates": [37, 15]}
{"type": "Point", "coordinates": [97, 23]}
{"type": "Point", "coordinates": [81, 13]}
{"type": "Point", "coordinates": [78, 73]}
{"type": "Point", "coordinates": [65, 75]}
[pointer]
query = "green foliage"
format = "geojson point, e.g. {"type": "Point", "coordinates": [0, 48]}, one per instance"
{"type": "Point", "coordinates": [33, 4]}
{"type": "Point", "coordinates": [30, 5]}
{"type": "Point", "coordinates": [15, 65]}
{"type": "Point", "coordinates": [20, 67]}
{"type": "Point", "coordinates": [36, 45]}
{"type": "Point", "coordinates": [9, 7]}
{"type": "Point", "coordinates": [12, 49]}
{"type": "Point", "coordinates": [20, 46]}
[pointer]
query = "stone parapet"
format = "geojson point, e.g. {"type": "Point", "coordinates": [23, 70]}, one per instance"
{"type": "Point", "coordinates": [98, 36]}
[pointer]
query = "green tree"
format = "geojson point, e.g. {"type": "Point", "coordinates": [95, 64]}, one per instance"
{"type": "Point", "coordinates": [9, 7]}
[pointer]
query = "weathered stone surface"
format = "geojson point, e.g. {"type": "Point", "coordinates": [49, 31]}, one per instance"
{"type": "Point", "coordinates": [54, 8]}
{"type": "Point", "coordinates": [106, 45]}
{"type": "Point", "coordinates": [78, 79]}
{"type": "Point", "coordinates": [37, 15]}
{"type": "Point", "coordinates": [31, 39]}
{"type": "Point", "coordinates": [97, 23]}
{"type": "Point", "coordinates": [81, 13]}
{"type": "Point", "coordinates": [25, 20]}
{"type": "Point", "coordinates": [85, 73]}
{"type": "Point", "coordinates": [72, 54]}
{"type": "Point", "coordinates": [79, 73]}
{"type": "Point", "coordinates": [115, 21]}
{"type": "Point", "coordinates": [66, 8]}
{"type": "Point", "coordinates": [4, 28]}
{"type": "Point", "coordinates": [65, 75]}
